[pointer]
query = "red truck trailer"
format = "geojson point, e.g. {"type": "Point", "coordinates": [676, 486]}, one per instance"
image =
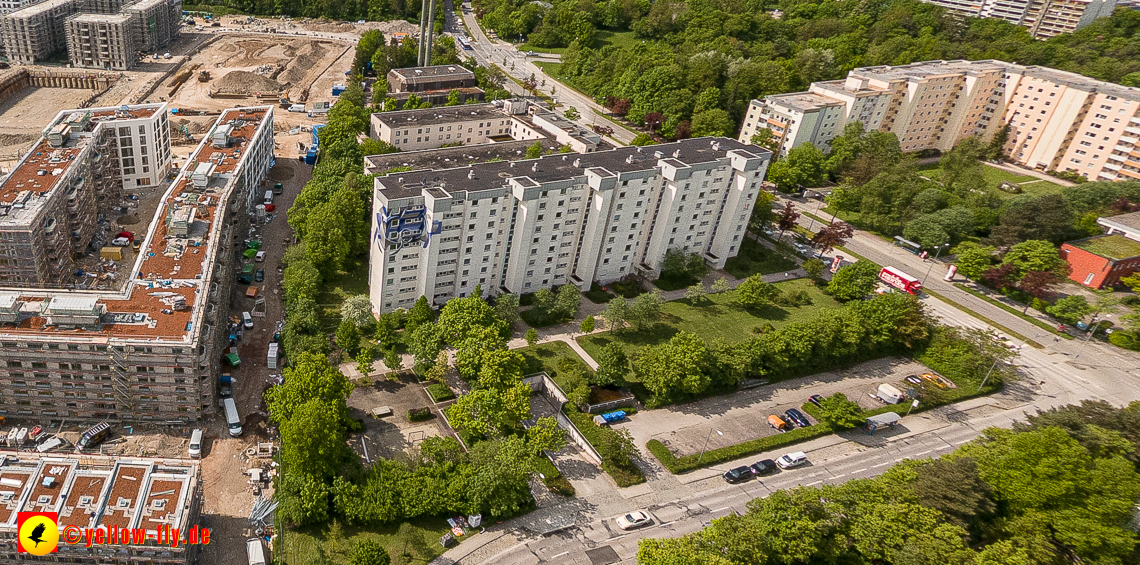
{"type": "Point", "coordinates": [900, 280]}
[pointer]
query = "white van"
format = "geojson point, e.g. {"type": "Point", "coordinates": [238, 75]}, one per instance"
{"type": "Point", "coordinates": [297, 108]}
{"type": "Point", "coordinates": [196, 444]}
{"type": "Point", "coordinates": [232, 416]}
{"type": "Point", "coordinates": [259, 257]}
{"type": "Point", "coordinates": [268, 197]}
{"type": "Point", "coordinates": [794, 459]}
{"type": "Point", "coordinates": [255, 551]}
{"type": "Point", "coordinates": [247, 320]}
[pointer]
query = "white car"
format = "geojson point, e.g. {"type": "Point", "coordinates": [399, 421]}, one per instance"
{"type": "Point", "coordinates": [794, 459]}
{"type": "Point", "coordinates": [633, 520]}
{"type": "Point", "coordinates": [120, 242]}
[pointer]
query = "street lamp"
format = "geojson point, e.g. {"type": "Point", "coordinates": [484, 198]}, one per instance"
{"type": "Point", "coordinates": [1088, 337]}
{"type": "Point", "coordinates": [932, 261]}
{"type": "Point", "coordinates": [718, 432]}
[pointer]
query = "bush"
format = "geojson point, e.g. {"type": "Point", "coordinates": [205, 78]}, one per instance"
{"type": "Point", "coordinates": [553, 478]}
{"type": "Point", "coordinates": [597, 295]}
{"type": "Point", "coordinates": [354, 426]}
{"type": "Point", "coordinates": [420, 414]}
{"type": "Point", "coordinates": [793, 299]}
{"type": "Point", "coordinates": [1125, 339]}
{"type": "Point", "coordinates": [440, 392]}
{"type": "Point", "coordinates": [616, 449]}
{"type": "Point", "coordinates": [628, 287]}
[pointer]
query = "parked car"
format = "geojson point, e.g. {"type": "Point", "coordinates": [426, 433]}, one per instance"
{"type": "Point", "coordinates": [816, 399]}
{"type": "Point", "coordinates": [737, 475]}
{"type": "Point", "coordinates": [120, 242]}
{"type": "Point", "coordinates": [247, 320]}
{"type": "Point", "coordinates": [791, 460]}
{"type": "Point", "coordinates": [764, 467]}
{"type": "Point", "coordinates": [259, 275]}
{"type": "Point", "coordinates": [797, 417]}
{"type": "Point", "coordinates": [934, 380]}
{"type": "Point", "coordinates": [633, 520]}
{"type": "Point", "coordinates": [913, 380]}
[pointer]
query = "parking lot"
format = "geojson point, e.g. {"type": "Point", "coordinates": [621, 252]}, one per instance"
{"type": "Point", "coordinates": [740, 417]}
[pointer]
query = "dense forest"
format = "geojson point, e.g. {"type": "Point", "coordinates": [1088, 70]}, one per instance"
{"type": "Point", "coordinates": [1060, 488]}
{"type": "Point", "coordinates": [702, 61]}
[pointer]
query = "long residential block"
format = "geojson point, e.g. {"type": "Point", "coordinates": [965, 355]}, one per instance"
{"type": "Point", "coordinates": [1042, 18]}
{"type": "Point", "coordinates": [148, 350]}
{"type": "Point", "coordinates": [520, 226]}
{"type": "Point", "coordinates": [1057, 120]}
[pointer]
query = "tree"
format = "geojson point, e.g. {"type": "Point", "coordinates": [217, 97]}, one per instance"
{"type": "Point", "coordinates": [358, 309]}
{"type": "Point", "coordinates": [1035, 255]}
{"type": "Point", "coordinates": [531, 337]}
{"type": "Point", "coordinates": [364, 360]}
{"type": "Point", "coordinates": [545, 435]}
{"type": "Point", "coordinates": [765, 139]}
{"type": "Point", "coordinates": [787, 218]}
{"type": "Point", "coordinates": [568, 300]}
{"type": "Point", "coordinates": [572, 114]}
{"type": "Point", "coordinates": [301, 280]}
{"type": "Point", "coordinates": [534, 151]}
{"type": "Point", "coordinates": [953, 487]}
{"type": "Point", "coordinates": [646, 309]}
{"type": "Point", "coordinates": [392, 360]}
{"type": "Point", "coordinates": [420, 314]}
{"type": "Point", "coordinates": [488, 411]}
{"type": "Point", "coordinates": [754, 292]}
{"type": "Point", "coordinates": [507, 308]}
{"type": "Point", "coordinates": [453, 98]}
{"type": "Point", "coordinates": [804, 167]}
{"type": "Point", "coordinates": [675, 368]}
{"type": "Point", "coordinates": [1070, 309]}
{"type": "Point", "coordinates": [1038, 284]}
{"type": "Point", "coordinates": [973, 260]}
{"type": "Point", "coordinates": [368, 552]}
{"type": "Point", "coordinates": [412, 540]}
{"type": "Point", "coordinates": [721, 285]}
{"type": "Point", "coordinates": [438, 371]}
{"type": "Point", "coordinates": [463, 317]}
{"type": "Point", "coordinates": [1001, 276]}
{"type": "Point", "coordinates": [616, 312]}
{"type": "Point", "coordinates": [613, 365]}
{"type": "Point", "coordinates": [695, 292]}
{"type": "Point", "coordinates": [587, 325]}
{"type": "Point", "coordinates": [424, 344]}
{"type": "Point", "coordinates": [348, 337]}
{"type": "Point", "coordinates": [814, 268]}
{"type": "Point", "coordinates": [312, 439]}
{"type": "Point", "coordinates": [854, 281]}
{"type": "Point", "coordinates": [841, 413]}
{"type": "Point", "coordinates": [712, 123]}
{"type": "Point", "coordinates": [309, 378]}
{"type": "Point", "coordinates": [926, 232]}
{"type": "Point", "coordinates": [643, 139]}
{"type": "Point", "coordinates": [832, 236]}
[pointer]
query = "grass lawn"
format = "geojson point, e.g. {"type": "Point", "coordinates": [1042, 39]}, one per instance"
{"type": "Point", "coordinates": [994, 176]}
{"type": "Point", "coordinates": [336, 290]}
{"type": "Point", "coordinates": [604, 38]}
{"type": "Point", "coordinates": [304, 546]}
{"type": "Point", "coordinates": [552, 69]}
{"type": "Point", "coordinates": [755, 258]}
{"type": "Point", "coordinates": [718, 316]}
{"type": "Point", "coordinates": [545, 357]}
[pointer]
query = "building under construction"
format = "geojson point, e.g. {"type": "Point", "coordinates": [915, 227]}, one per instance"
{"type": "Point", "coordinates": [106, 34]}
{"type": "Point", "coordinates": [103, 41]}
{"type": "Point", "coordinates": [150, 349]}
{"type": "Point", "coordinates": [38, 31]}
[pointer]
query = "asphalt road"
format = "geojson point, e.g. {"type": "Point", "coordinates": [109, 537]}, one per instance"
{"type": "Point", "coordinates": [521, 67]}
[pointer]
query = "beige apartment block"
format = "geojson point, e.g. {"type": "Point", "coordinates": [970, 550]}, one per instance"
{"type": "Point", "coordinates": [1042, 18]}
{"type": "Point", "coordinates": [1057, 120]}
{"type": "Point", "coordinates": [36, 32]}
{"type": "Point", "coordinates": [103, 41]}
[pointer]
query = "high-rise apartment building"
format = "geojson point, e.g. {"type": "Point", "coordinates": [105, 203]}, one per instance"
{"type": "Point", "coordinates": [520, 226]}
{"type": "Point", "coordinates": [1057, 120]}
{"type": "Point", "coordinates": [37, 31]}
{"type": "Point", "coordinates": [1043, 18]}
{"type": "Point", "coordinates": [150, 349]}
{"type": "Point", "coordinates": [102, 34]}
{"type": "Point", "coordinates": [102, 41]}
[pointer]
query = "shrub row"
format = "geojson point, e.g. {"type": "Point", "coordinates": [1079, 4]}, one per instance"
{"type": "Point", "coordinates": [440, 392]}
{"type": "Point", "coordinates": [419, 414]}
{"type": "Point", "coordinates": [615, 449]}
{"type": "Point", "coordinates": [678, 465]}
{"type": "Point", "coordinates": [553, 478]}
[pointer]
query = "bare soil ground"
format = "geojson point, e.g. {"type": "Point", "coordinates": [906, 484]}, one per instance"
{"type": "Point", "coordinates": [391, 436]}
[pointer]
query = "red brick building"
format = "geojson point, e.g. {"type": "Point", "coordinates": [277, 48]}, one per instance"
{"type": "Point", "coordinates": [1100, 261]}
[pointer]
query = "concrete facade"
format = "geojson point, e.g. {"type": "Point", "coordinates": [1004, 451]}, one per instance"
{"type": "Point", "coordinates": [101, 34]}
{"type": "Point", "coordinates": [562, 219]}
{"type": "Point", "coordinates": [150, 350]}
{"type": "Point", "coordinates": [427, 79]}
{"type": "Point", "coordinates": [102, 41]}
{"type": "Point", "coordinates": [38, 31]}
{"type": "Point", "coordinates": [1057, 120]}
{"type": "Point", "coordinates": [1042, 18]}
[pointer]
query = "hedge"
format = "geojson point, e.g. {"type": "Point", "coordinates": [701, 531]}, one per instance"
{"type": "Point", "coordinates": [440, 392]}
{"type": "Point", "coordinates": [419, 414]}
{"type": "Point", "coordinates": [678, 465]}
{"type": "Point", "coordinates": [619, 466]}
{"type": "Point", "coordinates": [553, 478]}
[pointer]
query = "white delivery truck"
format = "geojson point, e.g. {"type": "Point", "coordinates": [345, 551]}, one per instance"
{"type": "Point", "coordinates": [232, 418]}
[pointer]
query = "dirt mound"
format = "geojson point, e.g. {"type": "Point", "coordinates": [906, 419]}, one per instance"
{"type": "Point", "coordinates": [304, 61]}
{"type": "Point", "coordinates": [246, 82]}
{"type": "Point", "coordinates": [192, 127]}
{"type": "Point", "coordinates": [330, 27]}
{"type": "Point", "coordinates": [17, 138]}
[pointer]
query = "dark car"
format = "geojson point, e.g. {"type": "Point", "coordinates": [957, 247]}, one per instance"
{"type": "Point", "coordinates": [259, 275]}
{"type": "Point", "coordinates": [737, 475]}
{"type": "Point", "coordinates": [797, 417]}
{"type": "Point", "coordinates": [765, 467]}
{"type": "Point", "coordinates": [816, 399]}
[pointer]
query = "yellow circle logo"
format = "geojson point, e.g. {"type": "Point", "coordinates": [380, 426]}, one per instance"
{"type": "Point", "coordinates": [39, 535]}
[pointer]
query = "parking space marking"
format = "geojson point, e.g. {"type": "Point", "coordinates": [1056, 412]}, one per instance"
{"type": "Point", "coordinates": [923, 453]}
{"type": "Point", "coordinates": [813, 484]}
